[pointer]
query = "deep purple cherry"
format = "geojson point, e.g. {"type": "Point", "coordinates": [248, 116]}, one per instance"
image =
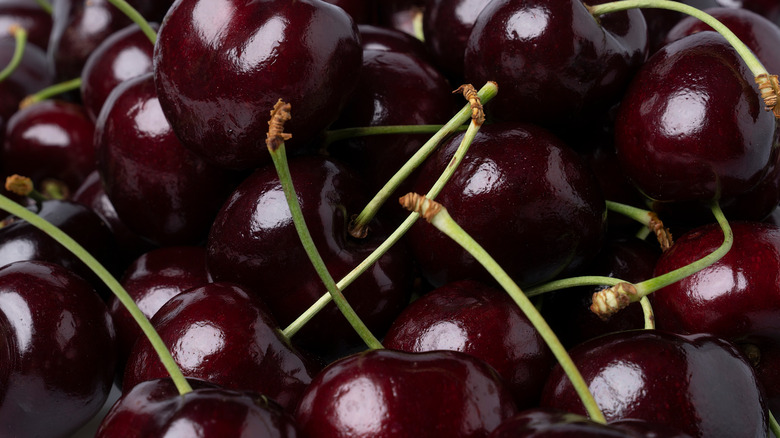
{"type": "Point", "coordinates": [29, 15]}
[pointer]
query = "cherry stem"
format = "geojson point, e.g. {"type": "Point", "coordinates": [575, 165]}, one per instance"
{"type": "Point", "coordinates": [82, 254]}
{"type": "Point", "coordinates": [438, 216]}
{"type": "Point", "coordinates": [51, 91]}
{"type": "Point", "coordinates": [137, 18]}
{"type": "Point", "coordinates": [346, 133]}
{"type": "Point", "coordinates": [611, 300]}
{"type": "Point", "coordinates": [399, 232]}
{"type": "Point", "coordinates": [647, 310]}
{"type": "Point", "coordinates": [20, 35]}
{"type": "Point", "coordinates": [590, 280]}
{"type": "Point", "coordinates": [45, 5]}
{"type": "Point", "coordinates": [773, 425]}
{"type": "Point", "coordinates": [278, 152]}
{"type": "Point", "coordinates": [358, 226]}
{"type": "Point", "coordinates": [744, 52]}
{"type": "Point", "coordinates": [647, 218]}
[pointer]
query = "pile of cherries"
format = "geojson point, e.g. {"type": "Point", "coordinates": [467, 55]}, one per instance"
{"type": "Point", "coordinates": [146, 143]}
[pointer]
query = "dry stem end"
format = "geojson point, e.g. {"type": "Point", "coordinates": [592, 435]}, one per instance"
{"type": "Point", "coordinates": [609, 301]}
{"type": "Point", "coordinates": [20, 185]}
{"type": "Point", "coordinates": [769, 88]}
{"type": "Point", "coordinates": [662, 233]}
{"type": "Point", "coordinates": [425, 207]}
{"type": "Point", "coordinates": [276, 135]}
{"type": "Point", "coordinates": [470, 93]}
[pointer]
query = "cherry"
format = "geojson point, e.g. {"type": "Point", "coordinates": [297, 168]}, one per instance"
{"type": "Point", "coordinates": [160, 189]}
{"type": "Point", "coordinates": [384, 393]}
{"type": "Point", "coordinates": [403, 15]}
{"type": "Point", "coordinates": [536, 221]}
{"type": "Point", "coordinates": [253, 242]}
{"type": "Point", "coordinates": [675, 142]}
{"type": "Point", "coordinates": [50, 140]}
{"type": "Point", "coordinates": [155, 409]}
{"type": "Point", "coordinates": [30, 76]}
{"type": "Point", "coordinates": [247, 56]}
{"type": "Point", "coordinates": [125, 54]}
{"type": "Point", "coordinates": [735, 298]}
{"type": "Point", "coordinates": [29, 15]}
{"type": "Point", "coordinates": [555, 63]}
{"type": "Point", "coordinates": [221, 333]}
{"type": "Point", "coordinates": [57, 349]}
{"type": "Point", "coordinates": [390, 40]}
{"type": "Point", "coordinates": [484, 322]}
{"type": "Point", "coordinates": [152, 280]}
{"type": "Point", "coordinates": [698, 384]}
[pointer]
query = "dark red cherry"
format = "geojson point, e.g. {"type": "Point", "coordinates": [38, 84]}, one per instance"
{"type": "Point", "coordinates": [390, 40]}
{"type": "Point", "coordinates": [253, 242]}
{"type": "Point", "coordinates": [160, 189]}
{"type": "Point", "coordinates": [676, 142]}
{"type": "Point", "coordinates": [385, 393]}
{"type": "Point", "coordinates": [31, 75]}
{"type": "Point", "coordinates": [220, 66]}
{"type": "Point", "coordinates": [537, 221]}
{"type": "Point", "coordinates": [698, 384]}
{"type": "Point", "coordinates": [737, 298]}
{"type": "Point", "coordinates": [56, 350]}
{"type": "Point", "coordinates": [29, 15]}
{"type": "Point", "coordinates": [757, 32]}
{"type": "Point", "coordinates": [403, 15]}
{"type": "Point", "coordinates": [446, 26]}
{"type": "Point", "coordinates": [155, 409]}
{"type": "Point", "coordinates": [484, 322]}
{"type": "Point", "coordinates": [220, 333]}
{"type": "Point", "coordinates": [555, 62]}
{"type": "Point", "coordinates": [152, 280]}
{"type": "Point", "coordinates": [125, 54]}
{"type": "Point", "coordinates": [50, 140]}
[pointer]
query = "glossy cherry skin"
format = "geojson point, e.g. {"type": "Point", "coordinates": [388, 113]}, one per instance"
{"type": "Point", "coordinates": [484, 322]}
{"type": "Point", "coordinates": [385, 393]}
{"type": "Point", "coordinates": [152, 280]}
{"type": "Point", "coordinates": [737, 298]}
{"type": "Point", "coordinates": [50, 140]}
{"type": "Point", "coordinates": [676, 142]}
{"type": "Point", "coordinates": [554, 62]}
{"type": "Point", "coordinates": [160, 189]}
{"type": "Point", "coordinates": [446, 26]}
{"type": "Point", "coordinates": [698, 384]}
{"type": "Point", "coordinates": [125, 54]}
{"type": "Point", "coordinates": [391, 40]}
{"type": "Point", "coordinates": [222, 334]}
{"type": "Point", "coordinates": [387, 79]}
{"type": "Point", "coordinates": [568, 311]}
{"type": "Point", "coordinates": [253, 242]}
{"type": "Point", "coordinates": [536, 221]}
{"type": "Point", "coordinates": [155, 409]}
{"type": "Point", "coordinates": [19, 240]}
{"type": "Point", "coordinates": [30, 16]}
{"type": "Point", "coordinates": [56, 349]}
{"type": "Point", "coordinates": [221, 66]}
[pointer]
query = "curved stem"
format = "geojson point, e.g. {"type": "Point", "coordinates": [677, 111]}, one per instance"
{"type": "Point", "coordinates": [51, 91]}
{"type": "Point", "coordinates": [20, 35]}
{"type": "Point", "coordinates": [487, 92]}
{"type": "Point", "coordinates": [773, 425]}
{"type": "Point", "coordinates": [440, 218]}
{"type": "Point", "coordinates": [591, 280]}
{"type": "Point", "coordinates": [45, 5]}
{"type": "Point", "coordinates": [157, 343]}
{"type": "Point", "coordinates": [647, 310]}
{"type": "Point", "coordinates": [744, 52]}
{"type": "Point", "coordinates": [315, 308]}
{"type": "Point", "coordinates": [279, 156]}
{"type": "Point", "coordinates": [647, 218]}
{"type": "Point", "coordinates": [137, 18]}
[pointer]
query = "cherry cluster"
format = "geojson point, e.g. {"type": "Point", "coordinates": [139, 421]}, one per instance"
{"type": "Point", "coordinates": [590, 245]}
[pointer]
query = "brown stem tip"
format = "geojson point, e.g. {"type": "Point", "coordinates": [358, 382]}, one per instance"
{"type": "Point", "coordinates": [20, 185]}
{"type": "Point", "coordinates": [769, 88]}
{"type": "Point", "coordinates": [470, 93]}
{"type": "Point", "coordinates": [425, 207]}
{"type": "Point", "coordinates": [276, 135]}
{"type": "Point", "coordinates": [610, 301]}
{"type": "Point", "coordinates": [662, 233]}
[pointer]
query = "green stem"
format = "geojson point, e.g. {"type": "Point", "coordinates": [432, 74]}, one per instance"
{"type": "Point", "coordinates": [315, 308]}
{"type": "Point", "coordinates": [20, 35]}
{"type": "Point", "coordinates": [649, 286]}
{"type": "Point", "coordinates": [45, 5]}
{"type": "Point", "coordinates": [487, 92]}
{"type": "Point", "coordinates": [51, 91]}
{"type": "Point", "coordinates": [773, 426]}
{"type": "Point", "coordinates": [345, 133]}
{"type": "Point", "coordinates": [443, 222]}
{"type": "Point", "coordinates": [157, 343]}
{"type": "Point", "coordinates": [137, 18]}
{"type": "Point", "coordinates": [640, 215]}
{"type": "Point", "coordinates": [591, 280]}
{"type": "Point", "coordinates": [279, 157]}
{"type": "Point", "coordinates": [744, 52]}
{"type": "Point", "coordinates": [647, 310]}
